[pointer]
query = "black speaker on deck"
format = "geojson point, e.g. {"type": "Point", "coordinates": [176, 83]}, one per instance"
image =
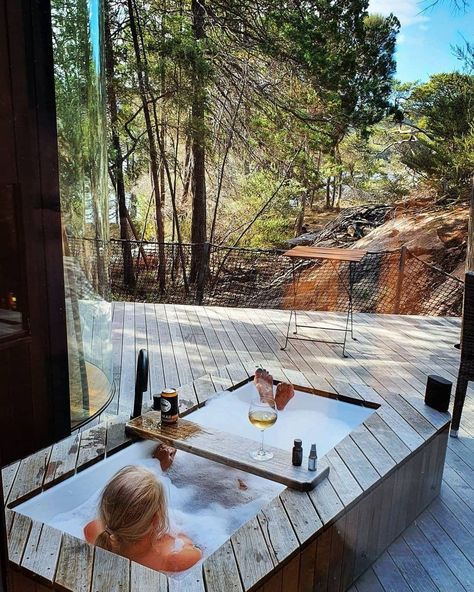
{"type": "Point", "coordinates": [438, 392]}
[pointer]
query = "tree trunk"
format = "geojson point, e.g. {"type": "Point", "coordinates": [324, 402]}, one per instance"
{"type": "Point", "coordinates": [198, 222]}
{"type": "Point", "coordinates": [188, 167]}
{"type": "Point", "coordinates": [339, 191]}
{"type": "Point", "coordinates": [152, 146]}
{"type": "Point", "coordinates": [328, 193]}
{"type": "Point", "coordinates": [300, 218]}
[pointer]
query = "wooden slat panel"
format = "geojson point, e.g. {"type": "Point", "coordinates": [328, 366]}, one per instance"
{"type": "Point", "coordinates": [350, 547]}
{"type": "Point", "coordinates": [62, 462]}
{"type": "Point", "coordinates": [274, 584]}
{"type": "Point", "coordinates": [192, 582]}
{"type": "Point", "coordinates": [357, 463]}
{"type": "Point", "coordinates": [387, 437]}
{"type": "Point", "coordinates": [8, 476]}
{"type": "Point", "coordinates": [278, 531]}
{"type": "Point", "coordinates": [337, 555]}
{"type": "Point", "coordinates": [326, 501]}
{"type": "Point", "coordinates": [18, 537]}
{"type": "Point", "coordinates": [74, 570]}
{"type": "Point", "coordinates": [92, 447]}
{"type": "Point", "coordinates": [249, 545]}
{"type": "Point", "coordinates": [303, 516]}
{"type": "Point", "coordinates": [323, 557]}
{"type": "Point", "coordinates": [111, 572]}
{"type": "Point", "coordinates": [379, 458]}
{"type": "Point", "coordinates": [42, 551]}
{"type": "Point", "coordinates": [143, 579]}
{"type": "Point", "coordinates": [307, 566]}
{"type": "Point", "coordinates": [342, 479]}
{"type": "Point", "coordinates": [221, 572]}
{"type": "Point", "coordinates": [30, 475]}
{"type": "Point", "coordinates": [291, 575]}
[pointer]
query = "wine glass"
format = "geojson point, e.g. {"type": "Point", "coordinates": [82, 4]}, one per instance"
{"type": "Point", "coordinates": [262, 414]}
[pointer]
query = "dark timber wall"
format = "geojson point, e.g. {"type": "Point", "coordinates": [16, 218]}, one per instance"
{"type": "Point", "coordinates": [34, 397]}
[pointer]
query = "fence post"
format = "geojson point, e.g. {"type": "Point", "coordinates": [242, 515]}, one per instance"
{"type": "Point", "coordinates": [401, 275]}
{"type": "Point", "coordinates": [203, 272]}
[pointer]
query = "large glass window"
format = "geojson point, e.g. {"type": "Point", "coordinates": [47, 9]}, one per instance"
{"type": "Point", "coordinates": [82, 142]}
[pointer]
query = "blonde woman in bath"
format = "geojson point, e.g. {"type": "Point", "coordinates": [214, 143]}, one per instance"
{"type": "Point", "coordinates": [133, 522]}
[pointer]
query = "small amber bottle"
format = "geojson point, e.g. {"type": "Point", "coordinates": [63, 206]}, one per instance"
{"type": "Point", "coordinates": [297, 455]}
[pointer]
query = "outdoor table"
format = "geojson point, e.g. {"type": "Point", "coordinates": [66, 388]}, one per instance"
{"type": "Point", "coordinates": [352, 256]}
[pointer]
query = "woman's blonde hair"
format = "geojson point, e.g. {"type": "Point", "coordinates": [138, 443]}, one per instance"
{"type": "Point", "coordinates": [132, 503]}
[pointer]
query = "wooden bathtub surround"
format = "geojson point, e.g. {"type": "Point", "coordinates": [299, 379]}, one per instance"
{"type": "Point", "coordinates": [381, 477]}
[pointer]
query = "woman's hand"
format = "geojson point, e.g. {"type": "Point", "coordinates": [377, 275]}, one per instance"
{"type": "Point", "coordinates": [165, 454]}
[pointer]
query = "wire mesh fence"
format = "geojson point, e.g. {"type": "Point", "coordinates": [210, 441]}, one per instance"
{"type": "Point", "coordinates": [383, 282]}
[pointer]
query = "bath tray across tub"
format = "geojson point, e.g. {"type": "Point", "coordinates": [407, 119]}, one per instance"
{"type": "Point", "coordinates": [227, 449]}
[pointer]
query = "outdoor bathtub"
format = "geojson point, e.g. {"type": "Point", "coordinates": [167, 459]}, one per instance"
{"type": "Point", "coordinates": [381, 477]}
{"type": "Point", "coordinates": [206, 500]}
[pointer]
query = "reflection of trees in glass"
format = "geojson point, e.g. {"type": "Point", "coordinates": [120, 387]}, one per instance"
{"type": "Point", "coordinates": [81, 130]}
{"type": "Point", "coordinates": [80, 109]}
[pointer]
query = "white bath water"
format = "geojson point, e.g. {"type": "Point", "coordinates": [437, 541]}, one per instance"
{"type": "Point", "coordinates": [207, 501]}
{"type": "Point", "coordinates": [311, 418]}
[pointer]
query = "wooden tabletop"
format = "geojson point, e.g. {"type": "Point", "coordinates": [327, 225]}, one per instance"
{"type": "Point", "coordinates": [302, 252]}
{"type": "Point", "coordinates": [228, 449]}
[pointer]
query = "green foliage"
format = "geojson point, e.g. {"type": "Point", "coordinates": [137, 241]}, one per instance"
{"type": "Point", "coordinates": [275, 225]}
{"type": "Point", "coordinates": [284, 85]}
{"type": "Point", "coordinates": [441, 150]}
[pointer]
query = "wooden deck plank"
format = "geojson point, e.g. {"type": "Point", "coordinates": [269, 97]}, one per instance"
{"type": "Point", "coordinates": [301, 512]}
{"type": "Point", "coordinates": [157, 378]}
{"type": "Point", "coordinates": [278, 531]}
{"type": "Point", "coordinates": [143, 579]}
{"type": "Point", "coordinates": [30, 475]}
{"type": "Point", "coordinates": [248, 543]}
{"type": "Point", "coordinates": [62, 462]}
{"type": "Point", "coordinates": [111, 572]}
{"type": "Point", "coordinates": [74, 570]}
{"type": "Point", "coordinates": [42, 551]}
{"type": "Point", "coordinates": [91, 447]}
{"type": "Point", "coordinates": [221, 572]}
{"type": "Point", "coordinates": [434, 564]}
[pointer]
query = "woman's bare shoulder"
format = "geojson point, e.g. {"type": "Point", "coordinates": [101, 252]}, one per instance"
{"type": "Point", "coordinates": [92, 530]}
{"type": "Point", "coordinates": [176, 553]}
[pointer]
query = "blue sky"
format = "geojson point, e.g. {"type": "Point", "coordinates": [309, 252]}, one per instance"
{"type": "Point", "coordinates": [425, 39]}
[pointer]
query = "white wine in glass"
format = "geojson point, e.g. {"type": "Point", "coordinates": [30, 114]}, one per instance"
{"type": "Point", "coordinates": [262, 414]}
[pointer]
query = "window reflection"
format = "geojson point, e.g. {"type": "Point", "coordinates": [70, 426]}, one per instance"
{"type": "Point", "coordinates": [10, 279]}
{"type": "Point", "coordinates": [82, 143]}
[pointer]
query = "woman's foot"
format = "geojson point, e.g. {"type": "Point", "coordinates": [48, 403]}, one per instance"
{"type": "Point", "coordinates": [165, 454]}
{"type": "Point", "coordinates": [284, 393]}
{"type": "Point", "coordinates": [264, 384]}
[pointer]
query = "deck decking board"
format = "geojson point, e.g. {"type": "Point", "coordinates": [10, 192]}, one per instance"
{"type": "Point", "coordinates": [157, 377]}
{"type": "Point", "coordinates": [42, 551]}
{"type": "Point", "coordinates": [62, 461]}
{"type": "Point", "coordinates": [221, 572]}
{"type": "Point", "coordinates": [143, 579]}
{"type": "Point", "coordinates": [301, 512]}
{"type": "Point", "coordinates": [278, 531]}
{"type": "Point", "coordinates": [434, 564]}
{"type": "Point", "coordinates": [248, 544]}
{"type": "Point", "coordinates": [74, 569]}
